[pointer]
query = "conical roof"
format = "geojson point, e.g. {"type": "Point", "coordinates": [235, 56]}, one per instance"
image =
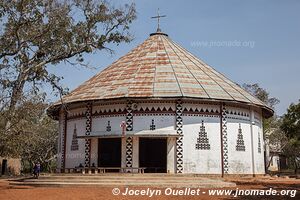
{"type": "Point", "coordinates": [160, 68]}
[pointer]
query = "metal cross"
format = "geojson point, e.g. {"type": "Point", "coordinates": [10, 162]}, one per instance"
{"type": "Point", "coordinates": [158, 17]}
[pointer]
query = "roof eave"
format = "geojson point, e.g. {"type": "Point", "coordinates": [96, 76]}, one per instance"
{"type": "Point", "coordinates": [53, 110]}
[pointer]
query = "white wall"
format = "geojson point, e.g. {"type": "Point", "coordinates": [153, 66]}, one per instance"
{"type": "Point", "coordinates": [195, 161]}
{"type": "Point", "coordinates": [258, 133]}
{"type": "Point", "coordinates": [171, 155]}
{"type": "Point", "coordinates": [74, 158]}
{"type": "Point", "coordinates": [239, 162]}
{"type": "Point", "coordinates": [94, 151]}
{"type": "Point", "coordinates": [163, 122]}
{"type": "Point", "coordinates": [100, 124]}
{"type": "Point", "coordinates": [201, 161]}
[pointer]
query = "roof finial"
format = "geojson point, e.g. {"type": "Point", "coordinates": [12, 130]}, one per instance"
{"type": "Point", "coordinates": [158, 17]}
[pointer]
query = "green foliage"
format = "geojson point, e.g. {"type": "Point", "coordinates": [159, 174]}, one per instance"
{"type": "Point", "coordinates": [264, 96]}
{"type": "Point", "coordinates": [37, 33]}
{"type": "Point", "coordinates": [34, 35]}
{"type": "Point", "coordinates": [291, 121]}
{"type": "Point", "coordinates": [261, 94]}
{"type": "Point", "coordinates": [33, 135]}
{"type": "Point", "coordinates": [291, 128]}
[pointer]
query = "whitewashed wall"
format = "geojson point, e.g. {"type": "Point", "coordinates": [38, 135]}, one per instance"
{"type": "Point", "coordinates": [100, 124]}
{"type": "Point", "coordinates": [171, 154]}
{"type": "Point", "coordinates": [163, 122]}
{"type": "Point", "coordinates": [74, 158]}
{"type": "Point", "coordinates": [239, 162]}
{"type": "Point", "coordinates": [197, 160]}
{"type": "Point", "coordinates": [258, 133]}
{"type": "Point", "coordinates": [94, 151]}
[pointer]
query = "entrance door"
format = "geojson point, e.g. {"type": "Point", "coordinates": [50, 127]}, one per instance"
{"type": "Point", "coordinates": [109, 152]}
{"type": "Point", "coordinates": [153, 154]}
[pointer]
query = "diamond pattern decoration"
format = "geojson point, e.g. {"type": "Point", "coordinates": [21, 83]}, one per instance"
{"type": "Point", "coordinates": [224, 139]}
{"type": "Point", "coordinates": [259, 143]}
{"type": "Point", "coordinates": [88, 129]}
{"type": "Point", "coordinates": [240, 143]}
{"type": "Point", "coordinates": [202, 140]}
{"type": "Point", "coordinates": [63, 145]}
{"type": "Point", "coordinates": [108, 127]}
{"type": "Point", "coordinates": [152, 126]}
{"type": "Point", "coordinates": [129, 116]}
{"type": "Point", "coordinates": [129, 140]}
{"type": "Point", "coordinates": [129, 151]}
{"type": "Point", "coordinates": [179, 140]}
{"type": "Point", "coordinates": [74, 145]}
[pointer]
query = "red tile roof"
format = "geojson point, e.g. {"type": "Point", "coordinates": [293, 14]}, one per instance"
{"type": "Point", "coordinates": [160, 68]}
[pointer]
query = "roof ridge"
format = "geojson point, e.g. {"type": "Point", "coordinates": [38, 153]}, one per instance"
{"type": "Point", "coordinates": [188, 69]}
{"type": "Point", "coordinates": [173, 70]}
{"type": "Point", "coordinates": [203, 70]}
{"type": "Point", "coordinates": [213, 71]}
{"type": "Point", "coordinates": [130, 86]}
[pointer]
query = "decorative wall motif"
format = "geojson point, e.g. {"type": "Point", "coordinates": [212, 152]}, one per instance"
{"type": "Point", "coordinates": [63, 139]}
{"type": "Point", "coordinates": [129, 140]}
{"type": "Point", "coordinates": [259, 143]}
{"type": "Point", "coordinates": [88, 129]}
{"type": "Point", "coordinates": [179, 140]}
{"type": "Point", "coordinates": [240, 143]}
{"type": "Point", "coordinates": [109, 111]}
{"type": "Point", "coordinates": [224, 139]}
{"type": "Point", "coordinates": [129, 151]}
{"type": "Point", "coordinates": [74, 145]}
{"type": "Point", "coordinates": [154, 110]}
{"type": "Point", "coordinates": [196, 110]}
{"type": "Point", "coordinates": [152, 125]}
{"type": "Point", "coordinates": [202, 140]}
{"type": "Point", "coordinates": [129, 116]}
{"type": "Point", "coordinates": [238, 113]}
{"type": "Point", "coordinates": [108, 127]}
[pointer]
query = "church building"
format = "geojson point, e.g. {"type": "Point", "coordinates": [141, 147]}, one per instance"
{"type": "Point", "coordinates": [161, 109]}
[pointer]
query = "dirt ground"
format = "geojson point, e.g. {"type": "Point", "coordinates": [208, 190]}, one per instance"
{"type": "Point", "coordinates": [9, 192]}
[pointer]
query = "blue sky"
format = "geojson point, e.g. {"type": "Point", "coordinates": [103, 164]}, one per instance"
{"type": "Point", "coordinates": [255, 41]}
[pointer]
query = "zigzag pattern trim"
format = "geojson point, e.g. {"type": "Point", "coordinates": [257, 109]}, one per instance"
{"type": "Point", "coordinates": [224, 139]}
{"type": "Point", "coordinates": [129, 151]}
{"type": "Point", "coordinates": [179, 140]}
{"type": "Point", "coordinates": [63, 140]}
{"type": "Point", "coordinates": [88, 129]}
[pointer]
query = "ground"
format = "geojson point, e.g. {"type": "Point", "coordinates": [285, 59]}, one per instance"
{"type": "Point", "coordinates": [9, 192]}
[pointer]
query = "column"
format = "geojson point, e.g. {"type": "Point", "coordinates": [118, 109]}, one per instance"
{"type": "Point", "coordinates": [88, 129]}
{"type": "Point", "coordinates": [179, 139]}
{"type": "Point", "coordinates": [224, 140]}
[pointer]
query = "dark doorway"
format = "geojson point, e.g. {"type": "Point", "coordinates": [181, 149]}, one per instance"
{"type": "Point", "coordinates": [109, 152]}
{"type": "Point", "coordinates": [4, 167]}
{"type": "Point", "coordinates": [153, 154]}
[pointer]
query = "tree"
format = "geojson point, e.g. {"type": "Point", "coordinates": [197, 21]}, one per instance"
{"type": "Point", "coordinates": [291, 127]}
{"type": "Point", "coordinates": [38, 33]}
{"type": "Point", "coordinates": [33, 135]}
{"type": "Point", "coordinates": [264, 96]}
{"type": "Point", "coordinates": [273, 136]}
{"type": "Point", "coordinates": [291, 121]}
